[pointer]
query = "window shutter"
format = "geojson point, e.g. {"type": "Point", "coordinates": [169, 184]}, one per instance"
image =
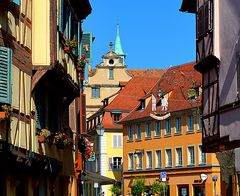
{"type": "Point", "coordinates": [115, 142]}
{"type": "Point", "coordinates": [110, 163]}
{"type": "Point", "coordinates": [5, 75]}
{"type": "Point", "coordinates": [67, 23]}
{"type": "Point", "coordinates": [60, 23]}
{"type": "Point", "coordinates": [83, 123]}
{"type": "Point", "coordinates": [119, 141]}
{"type": "Point", "coordinates": [86, 45]}
{"type": "Point", "coordinates": [79, 38]}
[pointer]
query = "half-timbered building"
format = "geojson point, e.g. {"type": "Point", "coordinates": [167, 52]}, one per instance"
{"type": "Point", "coordinates": [218, 37]}
{"type": "Point", "coordinates": [39, 95]}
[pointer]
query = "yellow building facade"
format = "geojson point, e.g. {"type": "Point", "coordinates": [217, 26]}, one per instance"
{"type": "Point", "coordinates": [162, 139]}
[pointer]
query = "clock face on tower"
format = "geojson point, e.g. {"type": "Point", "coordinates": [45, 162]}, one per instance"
{"type": "Point", "coordinates": [111, 62]}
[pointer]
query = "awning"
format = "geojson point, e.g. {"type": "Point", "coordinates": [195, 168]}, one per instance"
{"type": "Point", "coordinates": [91, 176]}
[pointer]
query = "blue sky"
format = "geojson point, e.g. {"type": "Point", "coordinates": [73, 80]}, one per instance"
{"type": "Point", "coordinates": [154, 33]}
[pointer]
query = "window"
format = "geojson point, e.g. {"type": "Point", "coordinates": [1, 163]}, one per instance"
{"type": "Point", "coordinates": [205, 18]}
{"type": "Point", "coordinates": [149, 160]}
{"type": "Point", "coordinates": [111, 74]}
{"type": "Point", "coordinates": [178, 156]}
{"type": "Point", "coordinates": [191, 155]}
{"type": "Point", "coordinates": [158, 159]}
{"type": "Point", "coordinates": [190, 123]}
{"type": "Point", "coordinates": [95, 92]}
{"type": "Point", "coordinates": [139, 160]}
{"type": "Point", "coordinates": [201, 155]}
{"type": "Point", "coordinates": [168, 157]}
{"type": "Point", "coordinates": [130, 133]}
{"type": "Point", "coordinates": [148, 130]}
{"type": "Point", "coordinates": [117, 141]}
{"type": "Point", "coordinates": [158, 128]}
{"type": "Point", "coordinates": [178, 125]}
{"type": "Point", "coordinates": [199, 123]}
{"type": "Point", "coordinates": [116, 117]}
{"type": "Point", "coordinates": [142, 106]}
{"type": "Point", "coordinates": [139, 132]}
{"type": "Point", "coordinates": [130, 161]}
{"type": "Point", "coordinates": [168, 127]}
{"type": "Point", "coordinates": [49, 111]}
{"type": "Point", "coordinates": [115, 163]}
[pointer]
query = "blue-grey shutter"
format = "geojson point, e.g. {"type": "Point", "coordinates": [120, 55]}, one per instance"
{"type": "Point", "coordinates": [110, 163]}
{"type": "Point", "coordinates": [60, 16]}
{"type": "Point", "coordinates": [67, 23]}
{"type": "Point", "coordinates": [79, 38]}
{"type": "Point", "coordinates": [87, 41]}
{"type": "Point", "coordinates": [5, 75]}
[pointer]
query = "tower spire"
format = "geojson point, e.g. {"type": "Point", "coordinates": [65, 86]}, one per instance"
{"type": "Point", "coordinates": [118, 46]}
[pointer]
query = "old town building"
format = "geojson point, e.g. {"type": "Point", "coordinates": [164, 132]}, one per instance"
{"type": "Point", "coordinates": [39, 96]}
{"type": "Point", "coordinates": [162, 138]}
{"type": "Point", "coordinates": [218, 61]}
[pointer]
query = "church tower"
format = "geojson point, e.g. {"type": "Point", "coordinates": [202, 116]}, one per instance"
{"type": "Point", "coordinates": [103, 81]}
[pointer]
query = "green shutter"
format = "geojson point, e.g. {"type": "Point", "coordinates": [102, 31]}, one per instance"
{"type": "Point", "coordinates": [5, 75]}
{"type": "Point", "coordinates": [60, 23]}
{"type": "Point", "coordinates": [86, 42]}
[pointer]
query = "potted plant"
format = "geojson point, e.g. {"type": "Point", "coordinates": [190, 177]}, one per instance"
{"type": "Point", "coordinates": [43, 135]}
{"type": "Point", "coordinates": [80, 63]}
{"type": "Point", "coordinates": [6, 111]}
{"type": "Point", "coordinates": [62, 139]}
{"type": "Point", "coordinates": [70, 44]}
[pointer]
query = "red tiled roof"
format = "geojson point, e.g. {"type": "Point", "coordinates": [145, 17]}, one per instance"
{"type": "Point", "coordinates": [146, 72]}
{"type": "Point", "coordinates": [176, 80]}
{"type": "Point", "coordinates": [128, 98]}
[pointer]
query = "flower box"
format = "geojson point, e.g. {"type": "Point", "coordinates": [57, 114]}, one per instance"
{"type": "Point", "coordinates": [3, 115]}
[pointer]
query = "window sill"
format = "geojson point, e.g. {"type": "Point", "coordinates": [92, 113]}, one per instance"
{"type": "Point", "coordinates": [178, 166]}
{"type": "Point", "coordinates": [177, 134]}
{"type": "Point", "coordinates": [148, 138]}
{"type": "Point", "coordinates": [189, 132]}
{"type": "Point", "coordinates": [168, 167]}
{"type": "Point", "coordinates": [95, 97]}
{"type": "Point", "coordinates": [199, 130]}
{"type": "Point", "coordinates": [167, 135]}
{"type": "Point", "coordinates": [200, 164]}
{"type": "Point", "coordinates": [149, 168]}
{"type": "Point", "coordinates": [138, 140]}
{"type": "Point", "coordinates": [190, 165]}
{"type": "Point", "coordinates": [129, 141]}
{"type": "Point", "coordinates": [157, 136]}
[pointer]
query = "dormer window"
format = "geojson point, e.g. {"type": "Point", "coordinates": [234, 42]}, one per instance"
{"type": "Point", "coordinates": [142, 107]}
{"type": "Point", "coordinates": [116, 117]}
{"type": "Point", "coordinates": [193, 93]}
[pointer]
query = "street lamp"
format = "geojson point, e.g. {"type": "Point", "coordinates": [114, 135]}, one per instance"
{"type": "Point", "coordinates": [100, 129]}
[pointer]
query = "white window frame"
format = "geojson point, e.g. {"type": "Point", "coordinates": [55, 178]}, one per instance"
{"type": "Point", "coordinates": [130, 162]}
{"type": "Point", "coordinates": [200, 156]}
{"type": "Point", "coordinates": [166, 158]}
{"type": "Point", "coordinates": [157, 163]}
{"type": "Point", "coordinates": [188, 117]}
{"type": "Point", "coordinates": [166, 125]}
{"type": "Point", "coordinates": [138, 160]}
{"type": "Point", "coordinates": [177, 162]}
{"type": "Point", "coordinates": [189, 155]}
{"type": "Point", "coordinates": [148, 125]}
{"type": "Point", "coordinates": [138, 131]}
{"type": "Point", "coordinates": [119, 164]}
{"type": "Point", "coordinates": [119, 140]}
{"type": "Point", "coordinates": [156, 126]}
{"type": "Point", "coordinates": [178, 132]}
{"type": "Point", "coordinates": [129, 133]}
{"type": "Point", "coordinates": [148, 165]}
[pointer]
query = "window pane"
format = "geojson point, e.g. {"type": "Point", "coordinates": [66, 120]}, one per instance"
{"type": "Point", "coordinates": [158, 128]}
{"type": "Point", "coordinates": [138, 127]}
{"type": "Point", "coordinates": [178, 125]}
{"type": "Point", "coordinates": [178, 156]}
{"type": "Point", "coordinates": [158, 159]}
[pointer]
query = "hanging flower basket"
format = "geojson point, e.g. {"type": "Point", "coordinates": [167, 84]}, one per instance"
{"type": "Point", "coordinates": [44, 135]}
